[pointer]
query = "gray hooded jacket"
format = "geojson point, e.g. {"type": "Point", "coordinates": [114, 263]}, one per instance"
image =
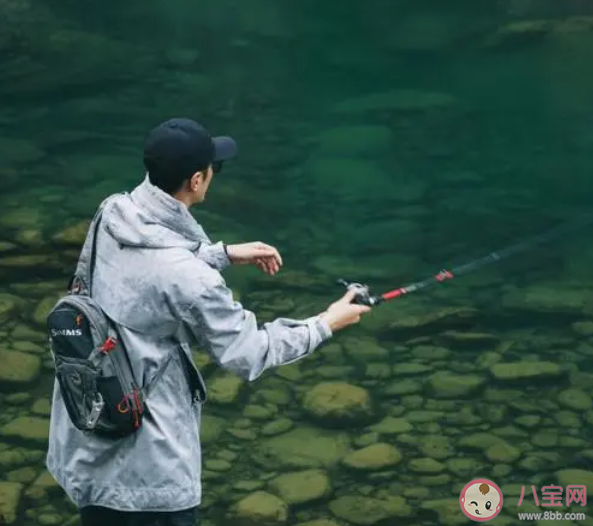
{"type": "Point", "coordinates": [157, 275]}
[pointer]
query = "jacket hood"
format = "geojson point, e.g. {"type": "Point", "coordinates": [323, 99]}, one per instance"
{"type": "Point", "coordinates": [150, 218]}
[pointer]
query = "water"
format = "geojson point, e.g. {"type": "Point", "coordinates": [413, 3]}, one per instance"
{"type": "Point", "coordinates": [379, 141]}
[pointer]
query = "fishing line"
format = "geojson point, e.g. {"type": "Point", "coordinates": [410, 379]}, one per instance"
{"type": "Point", "coordinates": [364, 296]}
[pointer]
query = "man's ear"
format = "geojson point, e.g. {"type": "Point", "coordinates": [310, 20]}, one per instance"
{"type": "Point", "coordinates": [195, 180]}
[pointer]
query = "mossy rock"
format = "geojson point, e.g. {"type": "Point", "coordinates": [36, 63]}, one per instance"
{"type": "Point", "coordinates": [575, 399]}
{"type": "Point", "coordinates": [373, 458]}
{"type": "Point", "coordinates": [260, 509]}
{"type": "Point", "coordinates": [43, 309]}
{"type": "Point", "coordinates": [433, 321]}
{"type": "Point", "coordinates": [10, 499]}
{"type": "Point", "coordinates": [73, 235]}
{"type": "Point", "coordinates": [10, 306]}
{"type": "Point", "coordinates": [302, 448]}
{"type": "Point", "coordinates": [339, 403]}
{"type": "Point", "coordinates": [225, 389]}
{"type": "Point", "coordinates": [447, 511]}
{"type": "Point", "coordinates": [526, 371]}
{"type": "Point", "coordinates": [302, 486]}
{"type": "Point", "coordinates": [27, 429]}
{"type": "Point", "coordinates": [448, 385]}
{"type": "Point", "coordinates": [18, 368]}
{"type": "Point", "coordinates": [366, 511]}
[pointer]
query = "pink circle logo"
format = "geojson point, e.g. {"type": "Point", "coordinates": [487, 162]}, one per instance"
{"type": "Point", "coordinates": [480, 500]}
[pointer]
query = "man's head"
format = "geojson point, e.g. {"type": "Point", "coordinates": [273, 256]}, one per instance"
{"type": "Point", "coordinates": [181, 157]}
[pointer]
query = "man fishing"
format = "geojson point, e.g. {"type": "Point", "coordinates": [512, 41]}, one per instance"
{"type": "Point", "coordinates": [157, 275]}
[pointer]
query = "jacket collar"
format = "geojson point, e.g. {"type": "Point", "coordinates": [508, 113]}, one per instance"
{"type": "Point", "coordinates": [168, 211]}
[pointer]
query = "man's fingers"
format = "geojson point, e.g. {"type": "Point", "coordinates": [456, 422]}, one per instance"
{"type": "Point", "coordinates": [269, 266]}
{"type": "Point", "coordinates": [264, 250]}
{"type": "Point", "coordinates": [349, 296]}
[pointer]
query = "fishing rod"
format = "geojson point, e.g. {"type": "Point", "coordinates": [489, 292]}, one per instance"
{"type": "Point", "coordinates": [364, 297]}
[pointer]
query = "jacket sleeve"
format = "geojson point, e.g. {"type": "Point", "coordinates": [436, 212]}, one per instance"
{"type": "Point", "coordinates": [214, 255]}
{"type": "Point", "coordinates": [231, 335]}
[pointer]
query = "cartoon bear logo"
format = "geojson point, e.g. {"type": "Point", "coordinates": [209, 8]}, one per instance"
{"type": "Point", "coordinates": [480, 500]}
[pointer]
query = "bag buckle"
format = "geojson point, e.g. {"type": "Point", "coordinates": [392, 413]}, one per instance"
{"type": "Point", "coordinates": [96, 409]}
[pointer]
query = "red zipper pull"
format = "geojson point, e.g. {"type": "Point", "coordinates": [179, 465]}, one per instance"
{"type": "Point", "coordinates": [109, 345]}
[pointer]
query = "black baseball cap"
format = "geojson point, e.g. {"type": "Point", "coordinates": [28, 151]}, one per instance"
{"type": "Point", "coordinates": [184, 147]}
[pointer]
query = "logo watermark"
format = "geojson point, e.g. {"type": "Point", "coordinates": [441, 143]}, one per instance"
{"type": "Point", "coordinates": [553, 495]}
{"type": "Point", "coordinates": [481, 500]}
{"type": "Point", "coordinates": [551, 516]}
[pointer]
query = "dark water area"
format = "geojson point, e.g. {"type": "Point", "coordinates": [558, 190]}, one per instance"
{"type": "Point", "coordinates": [379, 141]}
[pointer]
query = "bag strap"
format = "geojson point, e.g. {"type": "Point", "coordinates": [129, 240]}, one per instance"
{"type": "Point", "coordinates": [81, 281]}
{"type": "Point", "coordinates": [93, 256]}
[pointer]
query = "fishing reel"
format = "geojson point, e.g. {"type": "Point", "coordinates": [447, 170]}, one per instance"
{"type": "Point", "coordinates": [363, 294]}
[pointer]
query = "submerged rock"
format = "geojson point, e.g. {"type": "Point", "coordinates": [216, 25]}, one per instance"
{"type": "Point", "coordinates": [502, 453]}
{"type": "Point", "coordinates": [435, 446]}
{"type": "Point", "coordinates": [553, 298]}
{"type": "Point", "coordinates": [260, 508]}
{"type": "Point", "coordinates": [464, 467]}
{"type": "Point", "coordinates": [225, 389]}
{"type": "Point", "coordinates": [575, 477]}
{"type": "Point", "coordinates": [425, 465]}
{"type": "Point", "coordinates": [442, 319]}
{"type": "Point", "coordinates": [27, 429]}
{"type": "Point", "coordinates": [339, 403]}
{"type": "Point", "coordinates": [375, 457]}
{"type": "Point", "coordinates": [355, 141]}
{"type": "Point", "coordinates": [449, 385]}
{"type": "Point", "coordinates": [411, 369]}
{"type": "Point", "coordinates": [396, 101]}
{"type": "Point", "coordinates": [392, 426]}
{"type": "Point", "coordinates": [19, 151]}
{"type": "Point", "coordinates": [366, 511]}
{"type": "Point", "coordinates": [9, 306]}
{"type": "Point", "coordinates": [302, 486]}
{"type": "Point", "coordinates": [6, 246]}
{"type": "Point", "coordinates": [525, 370]}
{"type": "Point", "coordinates": [19, 456]}
{"type": "Point", "coordinates": [583, 328]}
{"type": "Point", "coordinates": [72, 236]}
{"type": "Point", "coordinates": [10, 498]}
{"type": "Point", "coordinates": [536, 31]}
{"type": "Point", "coordinates": [575, 399]}
{"type": "Point", "coordinates": [365, 349]}
{"type": "Point", "coordinates": [18, 368]}
{"type": "Point", "coordinates": [277, 427]}
{"type": "Point", "coordinates": [43, 309]}
{"type": "Point", "coordinates": [447, 510]}
{"type": "Point", "coordinates": [470, 340]}
{"type": "Point", "coordinates": [301, 448]}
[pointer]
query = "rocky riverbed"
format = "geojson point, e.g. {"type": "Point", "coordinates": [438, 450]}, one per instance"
{"type": "Point", "coordinates": [367, 431]}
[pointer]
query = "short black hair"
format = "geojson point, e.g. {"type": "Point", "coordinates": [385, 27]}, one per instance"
{"type": "Point", "coordinates": [178, 148]}
{"type": "Point", "coordinates": [169, 178]}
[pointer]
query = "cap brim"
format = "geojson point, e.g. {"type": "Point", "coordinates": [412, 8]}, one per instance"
{"type": "Point", "coordinates": [225, 148]}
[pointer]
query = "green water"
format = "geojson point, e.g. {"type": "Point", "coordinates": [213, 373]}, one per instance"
{"type": "Point", "coordinates": [379, 141]}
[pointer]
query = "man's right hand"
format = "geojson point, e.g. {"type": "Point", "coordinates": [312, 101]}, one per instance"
{"type": "Point", "coordinates": [343, 312]}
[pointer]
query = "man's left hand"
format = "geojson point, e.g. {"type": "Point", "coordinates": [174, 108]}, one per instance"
{"type": "Point", "coordinates": [265, 257]}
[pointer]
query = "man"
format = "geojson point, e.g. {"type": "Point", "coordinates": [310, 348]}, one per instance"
{"type": "Point", "coordinates": [158, 276]}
